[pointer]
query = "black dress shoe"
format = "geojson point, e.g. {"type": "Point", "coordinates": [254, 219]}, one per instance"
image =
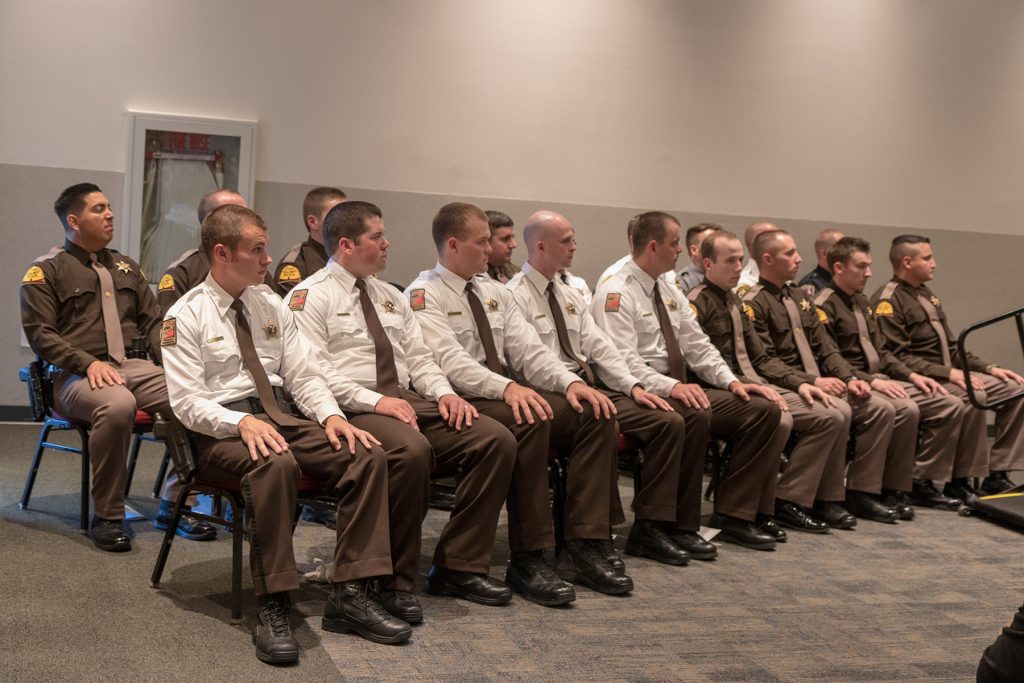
{"type": "Point", "coordinates": [691, 542]}
{"type": "Point", "coordinates": [900, 502]}
{"type": "Point", "coordinates": [529, 575]}
{"type": "Point", "coordinates": [996, 482]}
{"type": "Point", "coordinates": [924, 493]}
{"type": "Point", "coordinates": [648, 539]}
{"type": "Point", "coordinates": [272, 634]}
{"type": "Point", "coordinates": [109, 535]}
{"type": "Point", "coordinates": [607, 550]}
{"type": "Point", "coordinates": [767, 524]}
{"type": "Point", "coordinates": [355, 606]}
{"type": "Point", "coordinates": [478, 588]}
{"type": "Point", "coordinates": [188, 526]}
{"type": "Point", "coordinates": [582, 562]}
{"type": "Point", "coordinates": [793, 516]}
{"type": "Point", "coordinates": [833, 514]}
{"type": "Point", "coordinates": [866, 506]}
{"type": "Point", "coordinates": [402, 604]}
{"type": "Point", "coordinates": [961, 489]}
{"type": "Point", "coordinates": [320, 514]}
{"type": "Point", "coordinates": [741, 532]}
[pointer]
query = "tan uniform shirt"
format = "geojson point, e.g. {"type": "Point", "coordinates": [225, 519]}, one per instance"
{"type": "Point", "coordinates": [589, 342]}
{"type": "Point", "coordinates": [301, 261]}
{"type": "Point", "coordinates": [909, 333]}
{"type": "Point", "coordinates": [327, 310]}
{"type": "Point", "coordinates": [62, 309]}
{"type": "Point", "coordinates": [502, 273]}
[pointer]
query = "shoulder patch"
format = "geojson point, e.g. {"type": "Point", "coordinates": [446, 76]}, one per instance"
{"type": "Point", "coordinates": [742, 290]}
{"type": "Point", "coordinates": [884, 309]}
{"type": "Point", "coordinates": [168, 333]}
{"type": "Point", "coordinates": [748, 310]}
{"type": "Point", "coordinates": [289, 274]}
{"type": "Point", "coordinates": [611, 302]}
{"type": "Point", "coordinates": [166, 282]}
{"type": "Point", "coordinates": [34, 275]}
{"type": "Point", "coordinates": [693, 307]}
{"type": "Point", "coordinates": [418, 299]}
{"type": "Point", "coordinates": [822, 316]}
{"type": "Point", "coordinates": [297, 301]}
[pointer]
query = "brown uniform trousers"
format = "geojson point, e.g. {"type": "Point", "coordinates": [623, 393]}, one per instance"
{"type": "Point", "coordinates": [1008, 449]}
{"type": "Point", "coordinates": [270, 485]}
{"type": "Point", "coordinates": [818, 459]}
{"type": "Point", "coordinates": [482, 456]}
{"type": "Point", "coordinates": [748, 486]}
{"type": "Point", "coordinates": [673, 462]}
{"type": "Point", "coordinates": [111, 412]}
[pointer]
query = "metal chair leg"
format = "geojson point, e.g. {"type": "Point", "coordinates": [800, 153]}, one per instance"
{"type": "Point", "coordinates": [161, 476]}
{"type": "Point", "coordinates": [165, 547]}
{"type": "Point", "coordinates": [34, 468]}
{"type": "Point", "coordinates": [133, 457]}
{"type": "Point", "coordinates": [85, 479]}
{"type": "Point", "coordinates": [237, 525]}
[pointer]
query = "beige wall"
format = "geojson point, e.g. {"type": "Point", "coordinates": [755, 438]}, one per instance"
{"type": "Point", "coordinates": [880, 116]}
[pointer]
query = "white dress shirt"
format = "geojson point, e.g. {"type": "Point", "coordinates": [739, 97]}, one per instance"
{"type": "Point", "coordinates": [669, 276]}
{"type": "Point", "coordinates": [588, 341]}
{"type": "Point", "coordinates": [327, 310]}
{"type": "Point", "coordinates": [632, 324]}
{"type": "Point", "coordinates": [579, 284]}
{"type": "Point", "coordinates": [439, 299]}
{"type": "Point", "coordinates": [203, 363]}
{"type": "Point", "coordinates": [750, 275]}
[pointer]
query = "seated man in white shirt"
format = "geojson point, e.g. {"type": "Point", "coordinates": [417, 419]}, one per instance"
{"type": "Point", "coordinates": [371, 350]}
{"type": "Point", "coordinates": [233, 357]}
{"type": "Point", "coordinates": [667, 505]}
{"type": "Point", "coordinates": [480, 338]}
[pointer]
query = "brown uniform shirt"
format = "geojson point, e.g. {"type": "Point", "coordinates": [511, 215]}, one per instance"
{"type": "Point", "coordinates": [841, 324]}
{"type": "Point", "coordinates": [301, 261]}
{"type": "Point", "coordinates": [502, 273]}
{"type": "Point", "coordinates": [772, 325]}
{"type": "Point", "coordinates": [909, 333]}
{"type": "Point", "coordinates": [710, 305]}
{"type": "Point", "coordinates": [61, 308]}
{"type": "Point", "coordinates": [189, 270]}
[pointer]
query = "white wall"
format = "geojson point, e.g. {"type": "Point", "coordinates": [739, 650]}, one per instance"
{"type": "Point", "coordinates": [891, 112]}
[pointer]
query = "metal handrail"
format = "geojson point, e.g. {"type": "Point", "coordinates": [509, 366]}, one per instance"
{"type": "Point", "coordinates": [962, 345]}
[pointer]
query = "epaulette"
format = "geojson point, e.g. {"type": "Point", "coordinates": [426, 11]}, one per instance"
{"type": "Point", "coordinates": [48, 255]}
{"type": "Point", "coordinates": [695, 292]}
{"type": "Point", "coordinates": [753, 291]}
{"type": "Point", "coordinates": [888, 290]}
{"type": "Point", "coordinates": [293, 253]}
{"type": "Point", "coordinates": [181, 259]}
{"type": "Point", "coordinates": [823, 296]}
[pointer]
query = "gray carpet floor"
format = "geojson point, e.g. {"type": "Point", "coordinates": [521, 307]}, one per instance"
{"type": "Point", "coordinates": [917, 601]}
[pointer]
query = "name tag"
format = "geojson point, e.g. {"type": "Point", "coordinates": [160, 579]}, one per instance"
{"type": "Point", "coordinates": [214, 340]}
{"type": "Point", "coordinates": [454, 313]}
{"type": "Point", "coordinates": [646, 315]}
{"type": "Point", "coordinates": [342, 315]}
{"type": "Point", "coordinates": [538, 317]}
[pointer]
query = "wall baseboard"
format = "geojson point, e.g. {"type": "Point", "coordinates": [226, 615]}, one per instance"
{"type": "Point", "coordinates": [15, 414]}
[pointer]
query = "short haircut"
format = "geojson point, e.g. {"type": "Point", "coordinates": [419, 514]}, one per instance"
{"type": "Point", "coordinates": [904, 245]}
{"type": "Point", "coordinates": [763, 242]}
{"type": "Point", "coordinates": [709, 247]}
{"type": "Point", "coordinates": [451, 220]}
{"type": "Point", "coordinates": [497, 219]}
{"type": "Point", "coordinates": [72, 200]}
{"type": "Point", "coordinates": [645, 227]}
{"type": "Point", "coordinates": [694, 231]}
{"type": "Point", "coordinates": [842, 251]}
{"type": "Point", "coordinates": [347, 220]}
{"type": "Point", "coordinates": [316, 199]}
{"type": "Point", "coordinates": [208, 203]}
{"type": "Point", "coordinates": [224, 226]}
{"type": "Point", "coordinates": [827, 238]}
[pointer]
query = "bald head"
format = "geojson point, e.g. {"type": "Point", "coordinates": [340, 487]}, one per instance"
{"type": "Point", "coordinates": [216, 199]}
{"type": "Point", "coordinates": [550, 242]}
{"type": "Point", "coordinates": [755, 229]}
{"type": "Point", "coordinates": [825, 241]}
{"type": "Point", "coordinates": [540, 226]}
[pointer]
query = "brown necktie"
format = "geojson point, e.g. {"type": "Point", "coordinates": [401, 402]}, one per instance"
{"type": "Point", "coordinates": [800, 338]}
{"type": "Point", "coordinates": [676, 364]}
{"type": "Point", "coordinates": [255, 368]}
{"type": "Point", "coordinates": [563, 335]}
{"type": "Point", "coordinates": [483, 328]}
{"type": "Point", "coordinates": [111, 318]}
{"type": "Point", "coordinates": [870, 352]}
{"type": "Point", "coordinates": [387, 373]}
{"type": "Point", "coordinates": [742, 359]}
{"type": "Point", "coordinates": [936, 323]}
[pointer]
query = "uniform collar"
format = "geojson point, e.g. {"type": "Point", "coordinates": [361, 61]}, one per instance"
{"type": "Point", "coordinates": [771, 288]}
{"type": "Point", "coordinates": [647, 282]}
{"type": "Point", "coordinates": [847, 299]}
{"type": "Point", "coordinates": [222, 300]}
{"type": "Point", "coordinates": [536, 279]}
{"type": "Point", "coordinates": [722, 294]}
{"type": "Point", "coordinates": [456, 283]}
{"type": "Point", "coordinates": [83, 256]}
{"type": "Point", "coordinates": [346, 279]}
{"type": "Point", "coordinates": [916, 290]}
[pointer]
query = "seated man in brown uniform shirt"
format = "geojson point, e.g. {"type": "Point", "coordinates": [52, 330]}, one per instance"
{"type": "Point", "coordinates": [920, 402]}
{"type": "Point", "coordinates": [914, 324]}
{"type": "Point", "coordinates": [306, 258]}
{"type": "Point", "coordinates": [82, 308]}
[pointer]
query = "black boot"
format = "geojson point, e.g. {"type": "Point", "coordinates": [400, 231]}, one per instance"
{"type": "Point", "coordinates": [272, 634]}
{"type": "Point", "coordinates": [582, 562]}
{"type": "Point", "coordinates": [355, 606]}
{"type": "Point", "coordinates": [529, 575]}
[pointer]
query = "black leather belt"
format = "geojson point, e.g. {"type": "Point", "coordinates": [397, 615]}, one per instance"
{"type": "Point", "coordinates": [254, 405]}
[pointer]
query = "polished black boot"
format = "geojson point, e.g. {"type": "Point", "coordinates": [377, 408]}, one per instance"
{"type": "Point", "coordinates": [924, 493]}
{"type": "Point", "coordinates": [272, 634]}
{"type": "Point", "coordinates": [647, 538]}
{"type": "Point", "coordinates": [582, 562]}
{"type": "Point", "coordinates": [355, 606]}
{"type": "Point", "coordinates": [529, 575]}
{"type": "Point", "coordinates": [866, 506]}
{"type": "Point", "coordinates": [478, 588]}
